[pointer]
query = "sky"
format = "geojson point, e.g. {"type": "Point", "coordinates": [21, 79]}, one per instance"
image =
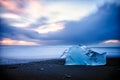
{"type": "Point", "coordinates": [59, 22]}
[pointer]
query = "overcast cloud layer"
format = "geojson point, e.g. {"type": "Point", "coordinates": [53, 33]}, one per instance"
{"type": "Point", "coordinates": [60, 22]}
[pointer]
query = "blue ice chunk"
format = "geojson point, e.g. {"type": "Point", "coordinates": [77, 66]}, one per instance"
{"type": "Point", "coordinates": [82, 55]}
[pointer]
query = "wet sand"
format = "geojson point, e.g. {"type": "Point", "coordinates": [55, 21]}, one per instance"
{"type": "Point", "coordinates": [56, 70]}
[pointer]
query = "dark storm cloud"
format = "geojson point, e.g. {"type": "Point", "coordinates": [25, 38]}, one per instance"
{"type": "Point", "coordinates": [14, 33]}
{"type": "Point", "coordinates": [103, 25]}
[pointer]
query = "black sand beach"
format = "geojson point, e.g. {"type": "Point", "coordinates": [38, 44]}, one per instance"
{"type": "Point", "coordinates": [56, 70]}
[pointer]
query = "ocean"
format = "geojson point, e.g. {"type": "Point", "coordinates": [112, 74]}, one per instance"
{"type": "Point", "coordinates": [25, 54]}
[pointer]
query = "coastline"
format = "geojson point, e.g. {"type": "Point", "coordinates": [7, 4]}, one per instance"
{"type": "Point", "coordinates": [55, 69]}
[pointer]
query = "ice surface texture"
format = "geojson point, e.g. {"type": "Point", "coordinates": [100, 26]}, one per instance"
{"type": "Point", "coordinates": [81, 55]}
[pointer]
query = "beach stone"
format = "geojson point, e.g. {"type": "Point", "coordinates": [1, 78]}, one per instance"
{"type": "Point", "coordinates": [67, 76]}
{"type": "Point", "coordinates": [41, 69]}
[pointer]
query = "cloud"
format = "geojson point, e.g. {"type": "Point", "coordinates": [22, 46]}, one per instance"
{"type": "Point", "coordinates": [16, 33]}
{"type": "Point", "coordinates": [29, 12]}
{"type": "Point", "coordinates": [49, 28]}
{"type": "Point", "coordinates": [11, 5]}
{"type": "Point", "coordinates": [100, 26]}
{"type": "Point", "coordinates": [20, 13]}
{"type": "Point", "coordinates": [10, 16]}
{"type": "Point", "coordinates": [111, 41]}
{"type": "Point", "coordinates": [65, 12]}
{"type": "Point", "coordinates": [33, 10]}
{"type": "Point", "coordinates": [7, 41]}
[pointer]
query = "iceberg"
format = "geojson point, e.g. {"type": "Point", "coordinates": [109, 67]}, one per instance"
{"type": "Point", "coordinates": [82, 55]}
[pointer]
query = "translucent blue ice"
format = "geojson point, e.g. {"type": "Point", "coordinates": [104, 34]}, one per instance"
{"type": "Point", "coordinates": [82, 55]}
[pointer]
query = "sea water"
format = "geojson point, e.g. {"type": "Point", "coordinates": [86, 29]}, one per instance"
{"type": "Point", "coordinates": [25, 54]}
